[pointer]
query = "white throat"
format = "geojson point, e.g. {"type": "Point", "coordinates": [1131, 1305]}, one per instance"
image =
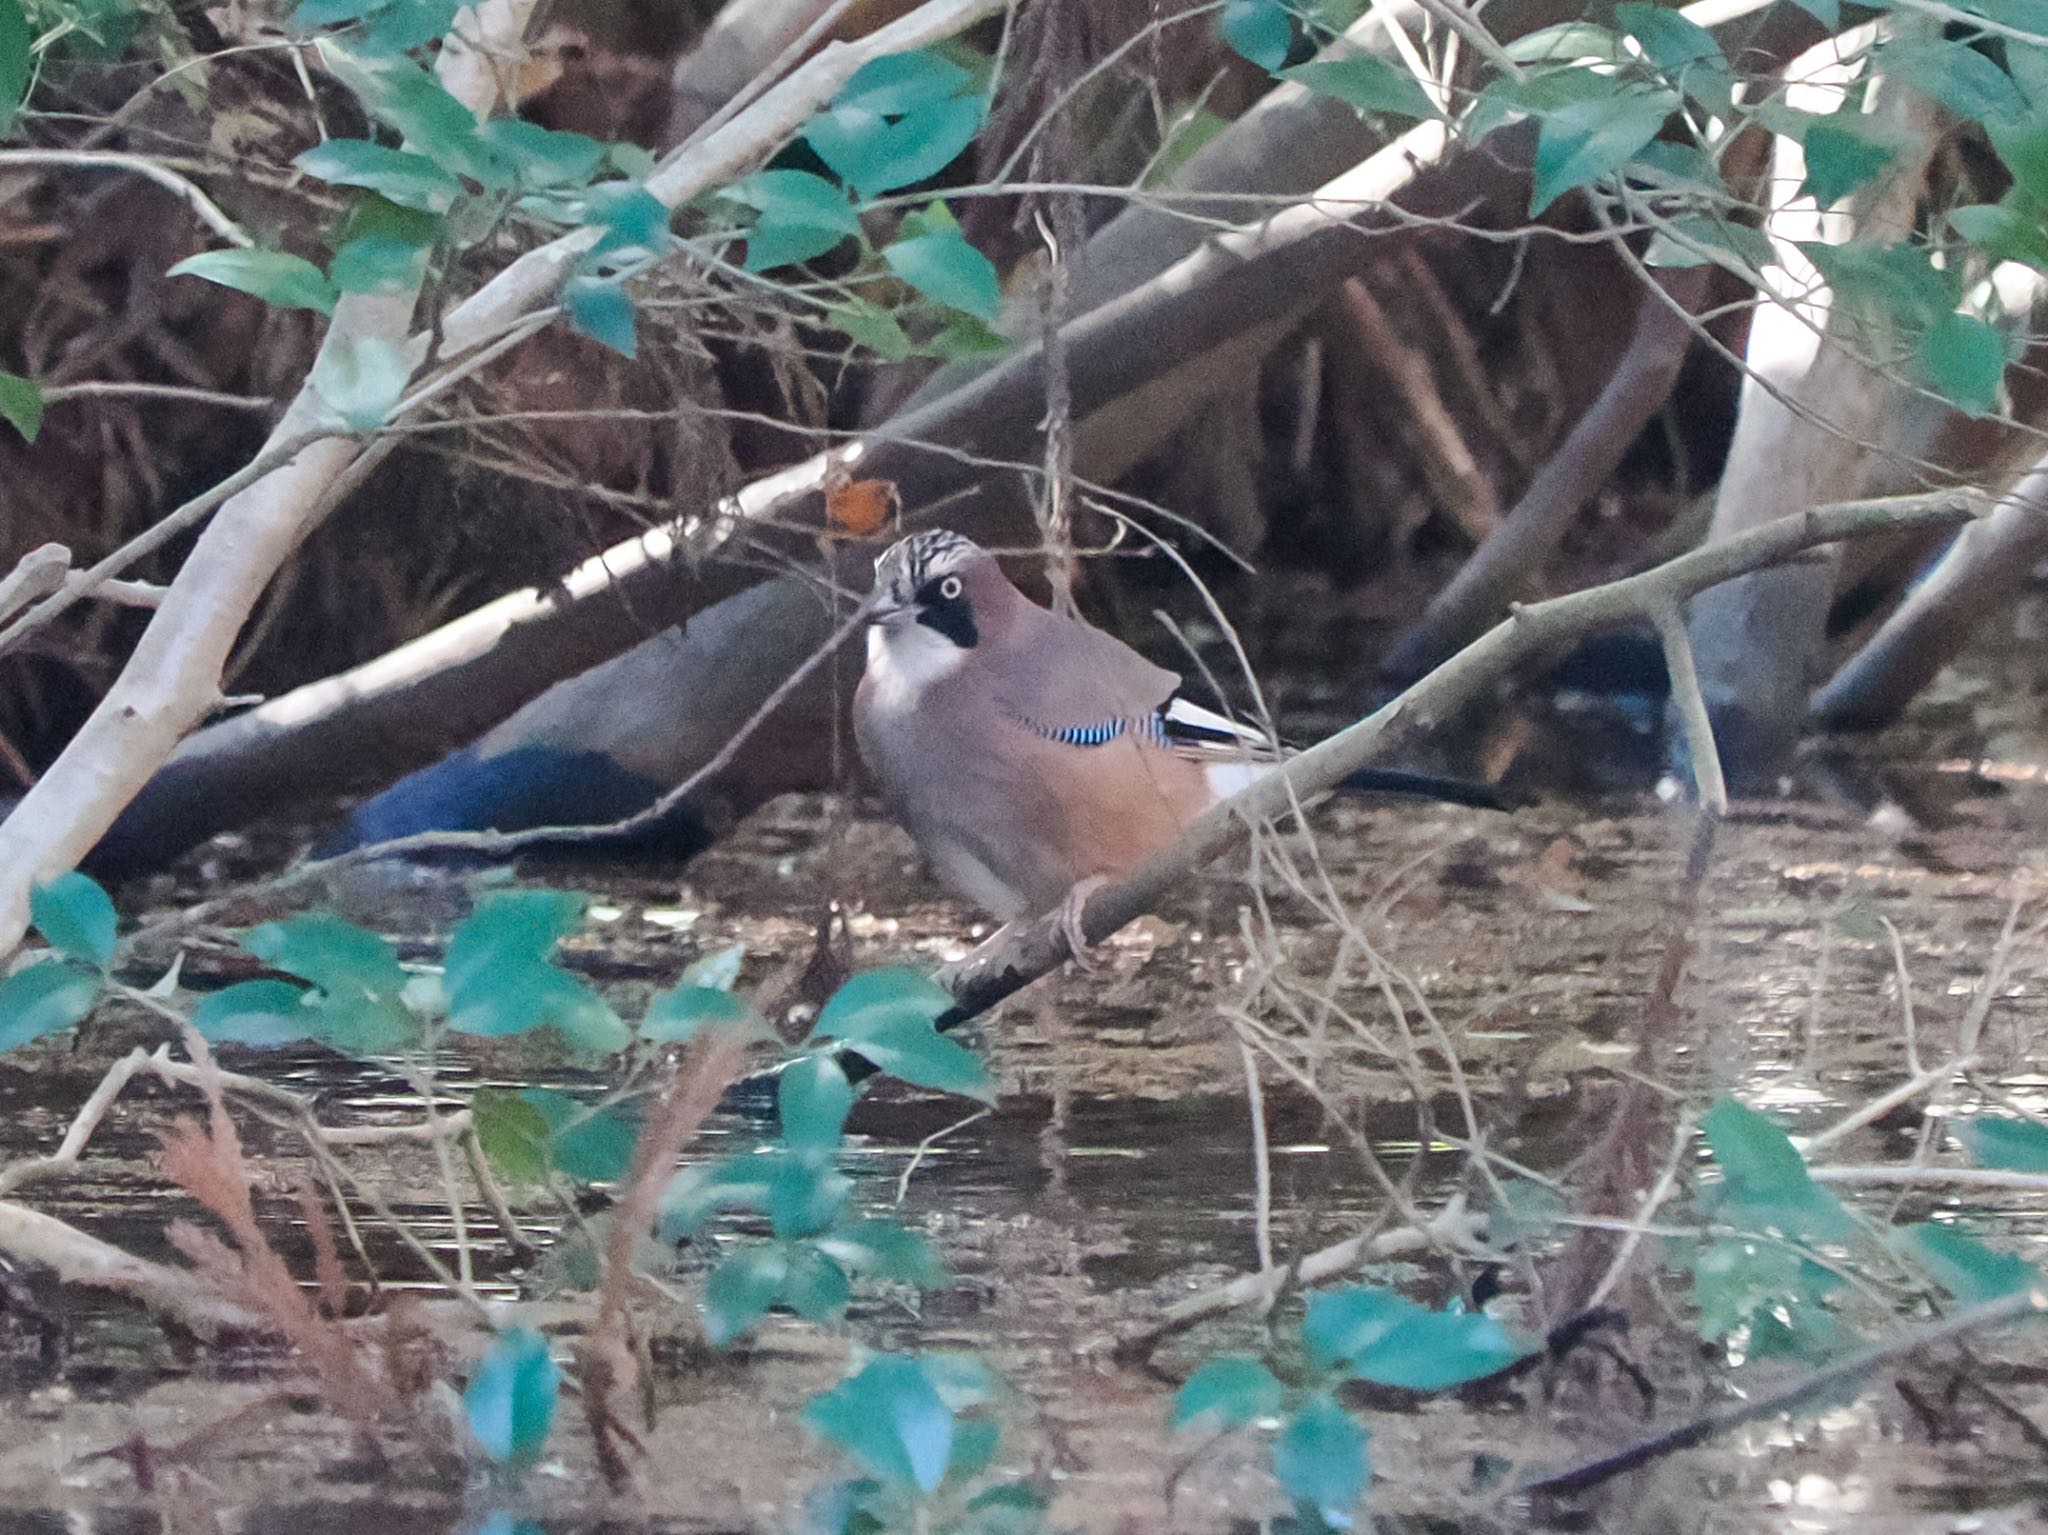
{"type": "Point", "coordinates": [905, 660]}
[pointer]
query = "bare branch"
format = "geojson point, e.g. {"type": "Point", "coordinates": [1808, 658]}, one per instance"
{"type": "Point", "coordinates": [1022, 952]}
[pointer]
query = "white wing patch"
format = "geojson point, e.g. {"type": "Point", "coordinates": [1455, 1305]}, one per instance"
{"type": "Point", "coordinates": [1221, 731]}
{"type": "Point", "coordinates": [1233, 756]}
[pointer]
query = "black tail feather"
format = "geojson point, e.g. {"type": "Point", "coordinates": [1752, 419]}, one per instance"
{"type": "Point", "coordinates": [1449, 791]}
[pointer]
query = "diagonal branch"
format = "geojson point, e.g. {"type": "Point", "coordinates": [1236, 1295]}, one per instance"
{"type": "Point", "coordinates": [1022, 952]}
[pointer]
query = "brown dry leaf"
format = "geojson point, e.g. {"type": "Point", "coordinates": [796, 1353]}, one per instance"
{"type": "Point", "coordinates": [860, 508]}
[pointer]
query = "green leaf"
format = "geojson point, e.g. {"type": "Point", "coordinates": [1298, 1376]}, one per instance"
{"type": "Point", "coordinates": [884, 1250]}
{"type": "Point", "coordinates": [17, 59]}
{"type": "Point", "coordinates": [814, 1097]}
{"type": "Point", "coordinates": [1381, 1336]}
{"type": "Point", "coordinates": [362, 380]}
{"type": "Point", "coordinates": [1568, 42]}
{"type": "Point", "coordinates": [399, 176]}
{"type": "Point", "coordinates": [1697, 240]}
{"type": "Point", "coordinates": [687, 1011]}
{"type": "Point", "coordinates": [874, 153]}
{"type": "Point", "coordinates": [590, 1145]}
{"type": "Point", "coordinates": [1342, 1323]}
{"type": "Point", "coordinates": [1964, 1266]}
{"type": "Point", "coordinates": [543, 158]}
{"type": "Point", "coordinates": [602, 311]}
{"type": "Point", "coordinates": [379, 26]}
{"type": "Point", "coordinates": [806, 1194]}
{"type": "Point", "coordinates": [799, 216]}
{"type": "Point", "coordinates": [1738, 1282]}
{"type": "Point", "coordinates": [891, 1420]}
{"type": "Point", "coordinates": [518, 998]}
{"type": "Point", "coordinates": [362, 1010]}
{"type": "Point", "coordinates": [815, 1288]}
{"type": "Point", "coordinates": [947, 270]}
{"type": "Point", "coordinates": [1963, 359]}
{"type": "Point", "coordinates": [75, 917]}
{"type": "Point", "coordinates": [2002, 231]}
{"type": "Point", "coordinates": [875, 998]}
{"type": "Point", "coordinates": [2024, 148]}
{"type": "Point", "coordinates": [697, 1193]}
{"type": "Point", "coordinates": [333, 13]}
{"type": "Point", "coordinates": [901, 82]}
{"type": "Point", "coordinates": [510, 1401]}
{"type": "Point", "coordinates": [969, 336]}
{"type": "Point", "coordinates": [1894, 285]}
{"type": "Point", "coordinates": [21, 399]}
{"type": "Point", "coordinates": [513, 1135]}
{"type": "Point", "coordinates": [1995, 1140]}
{"type": "Point", "coordinates": [407, 24]}
{"type": "Point", "coordinates": [1260, 30]}
{"type": "Point", "coordinates": [1841, 159]}
{"type": "Point", "coordinates": [796, 197]}
{"type": "Point", "coordinates": [1683, 52]}
{"type": "Point", "coordinates": [1766, 1183]}
{"type": "Point", "coordinates": [772, 243]}
{"type": "Point", "coordinates": [334, 955]}
{"type": "Point", "coordinates": [1827, 12]}
{"type": "Point", "coordinates": [276, 277]}
{"type": "Point", "coordinates": [1584, 140]}
{"type": "Point", "coordinates": [866, 324]}
{"type": "Point", "coordinates": [1959, 77]}
{"type": "Point", "coordinates": [1319, 1460]}
{"type": "Point", "coordinates": [383, 248]}
{"type": "Point", "coordinates": [44, 997]}
{"type": "Point", "coordinates": [975, 1441]}
{"type": "Point", "coordinates": [887, 1015]}
{"type": "Point", "coordinates": [634, 220]}
{"type": "Point", "coordinates": [1367, 83]}
{"type": "Point", "coordinates": [741, 1289]}
{"type": "Point", "coordinates": [510, 928]}
{"type": "Point", "coordinates": [260, 1014]}
{"type": "Point", "coordinates": [1227, 1392]}
{"type": "Point", "coordinates": [400, 94]}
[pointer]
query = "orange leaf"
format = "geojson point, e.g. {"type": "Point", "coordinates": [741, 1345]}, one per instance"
{"type": "Point", "coordinates": [860, 508]}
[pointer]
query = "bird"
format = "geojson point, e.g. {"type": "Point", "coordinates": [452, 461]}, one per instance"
{"type": "Point", "coordinates": [1030, 755]}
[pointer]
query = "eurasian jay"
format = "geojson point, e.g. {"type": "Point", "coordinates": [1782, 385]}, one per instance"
{"type": "Point", "coordinates": [1031, 755]}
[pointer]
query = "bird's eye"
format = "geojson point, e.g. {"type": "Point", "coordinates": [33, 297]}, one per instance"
{"type": "Point", "coordinates": [950, 589]}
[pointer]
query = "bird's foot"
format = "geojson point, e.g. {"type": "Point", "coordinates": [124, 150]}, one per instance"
{"type": "Point", "coordinates": [1071, 910]}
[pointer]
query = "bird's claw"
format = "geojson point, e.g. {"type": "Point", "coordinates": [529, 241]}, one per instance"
{"type": "Point", "coordinates": [1071, 912]}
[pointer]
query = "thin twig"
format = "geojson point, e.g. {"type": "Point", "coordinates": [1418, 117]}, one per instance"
{"type": "Point", "coordinates": [1022, 952]}
{"type": "Point", "coordinates": [1819, 1385]}
{"type": "Point", "coordinates": [141, 165]}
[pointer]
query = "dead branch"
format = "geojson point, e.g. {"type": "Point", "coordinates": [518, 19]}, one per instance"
{"type": "Point", "coordinates": [1022, 952]}
{"type": "Point", "coordinates": [37, 574]}
{"type": "Point", "coordinates": [1453, 1226]}
{"type": "Point", "coordinates": [1986, 567]}
{"type": "Point", "coordinates": [1809, 404]}
{"type": "Point", "coordinates": [1819, 1385]}
{"type": "Point", "coordinates": [76, 1258]}
{"type": "Point", "coordinates": [1408, 381]}
{"type": "Point", "coordinates": [173, 678]}
{"type": "Point", "coordinates": [607, 1362]}
{"type": "Point", "coordinates": [1124, 359]}
{"type": "Point", "coordinates": [1510, 563]}
{"type": "Point", "coordinates": [745, 48]}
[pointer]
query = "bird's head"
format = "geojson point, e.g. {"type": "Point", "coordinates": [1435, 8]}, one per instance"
{"type": "Point", "coordinates": [939, 583]}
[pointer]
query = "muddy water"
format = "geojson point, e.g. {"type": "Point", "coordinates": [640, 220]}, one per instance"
{"type": "Point", "coordinates": [1117, 1176]}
